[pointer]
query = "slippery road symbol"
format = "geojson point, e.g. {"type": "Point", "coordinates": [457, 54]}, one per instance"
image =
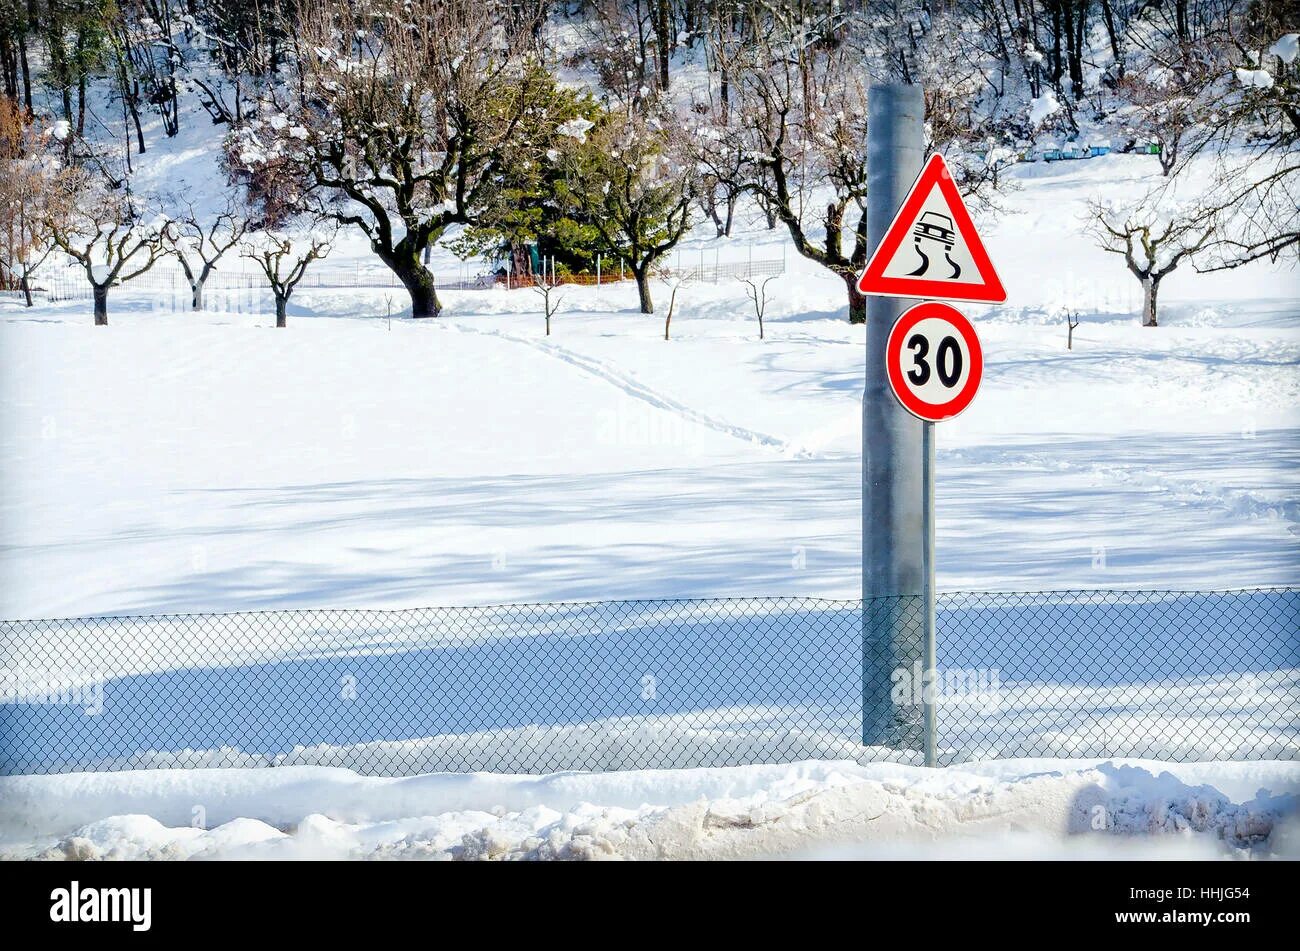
{"type": "Point", "coordinates": [937, 228]}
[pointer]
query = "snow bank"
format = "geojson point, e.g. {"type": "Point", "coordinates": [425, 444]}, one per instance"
{"type": "Point", "coordinates": [810, 809]}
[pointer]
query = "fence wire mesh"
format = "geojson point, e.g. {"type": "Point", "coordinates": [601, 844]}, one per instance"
{"type": "Point", "coordinates": [657, 684]}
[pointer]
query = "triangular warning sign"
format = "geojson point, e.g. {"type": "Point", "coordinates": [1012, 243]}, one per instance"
{"type": "Point", "coordinates": [932, 250]}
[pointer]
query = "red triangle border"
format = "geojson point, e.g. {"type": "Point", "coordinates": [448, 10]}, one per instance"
{"type": "Point", "coordinates": [873, 280]}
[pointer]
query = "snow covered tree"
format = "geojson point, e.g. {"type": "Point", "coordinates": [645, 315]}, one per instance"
{"type": "Point", "coordinates": [402, 115]}
{"type": "Point", "coordinates": [633, 182]}
{"type": "Point", "coordinates": [141, 31]}
{"type": "Point", "coordinates": [1164, 112]}
{"type": "Point", "coordinates": [522, 208]}
{"type": "Point", "coordinates": [1252, 140]}
{"type": "Point", "coordinates": [1154, 237]}
{"type": "Point", "coordinates": [199, 242]}
{"type": "Point", "coordinates": [795, 113]}
{"type": "Point", "coordinates": [284, 256]}
{"type": "Point", "coordinates": [621, 42]}
{"type": "Point", "coordinates": [110, 234]}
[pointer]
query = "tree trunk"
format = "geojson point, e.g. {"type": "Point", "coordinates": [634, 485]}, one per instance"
{"type": "Point", "coordinates": [133, 106]}
{"type": "Point", "coordinates": [1055, 59]}
{"type": "Point", "coordinates": [1108, 16]}
{"type": "Point", "coordinates": [196, 301]}
{"type": "Point", "coordinates": [281, 305]}
{"type": "Point", "coordinates": [27, 73]}
{"type": "Point", "coordinates": [710, 202]}
{"type": "Point", "coordinates": [418, 281]}
{"type": "Point", "coordinates": [100, 292]}
{"type": "Point", "coordinates": [81, 84]}
{"type": "Point", "coordinates": [663, 41]}
{"type": "Point", "coordinates": [1076, 16]}
{"type": "Point", "coordinates": [1150, 289]}
{"type": "Point", "coordinates": [1168, 157]}
{"type": "Point", "coordinates": [643, 289]}
{"type": "Point", "coordinates": [857, 303]}
{"type": "Point", "coordinates": [26, 285]}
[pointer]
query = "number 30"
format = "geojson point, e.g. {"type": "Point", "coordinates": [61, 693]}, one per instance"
{"type": "Point", "coordinates": [949, 362]}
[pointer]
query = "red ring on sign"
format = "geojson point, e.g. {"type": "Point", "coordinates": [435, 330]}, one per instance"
{"type": "Point", "coordinates": [933, 412]}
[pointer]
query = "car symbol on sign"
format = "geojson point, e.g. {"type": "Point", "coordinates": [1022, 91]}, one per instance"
{"type": "Point", "coordinates": [936, 227]}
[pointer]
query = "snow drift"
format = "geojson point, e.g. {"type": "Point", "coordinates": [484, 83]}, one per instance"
{"type": "Point", "coordinates": [1009, 808]}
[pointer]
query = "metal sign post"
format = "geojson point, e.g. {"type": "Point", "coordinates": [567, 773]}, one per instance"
{"type": "Point", "coordinates": [897, 474]}
{"type": "Point", "coordinates": [923, 365]}
{"type": "Point", "coordinates": [929, 639]}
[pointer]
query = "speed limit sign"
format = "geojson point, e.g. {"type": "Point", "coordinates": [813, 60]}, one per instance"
{"type": "Point", "coordinates": [934, 361]}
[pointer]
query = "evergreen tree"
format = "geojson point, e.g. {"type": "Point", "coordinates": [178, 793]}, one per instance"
{"type": "Point", "coordinates": [633, 184]}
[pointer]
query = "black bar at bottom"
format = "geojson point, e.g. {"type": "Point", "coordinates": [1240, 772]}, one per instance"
{"type": "Point", "coordinates": [290, 901]}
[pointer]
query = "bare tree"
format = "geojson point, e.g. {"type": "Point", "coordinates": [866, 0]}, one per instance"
{"type": "Point", "coordinates": [758, 295]}
{"type": "Point", "coordinates": [618, 43]}
{"type": "Point", "coordinates": [104, 231]}
{"type": "Point", "coordinates": [142, 34]}
{"type": "Point", "coordinates": [1071, 322]}
{"type": "Point", "coordinates": [674, 284]}
{"type": "Point", "coordinates": [199, 243]}
{"type": "Point", "coordinates": [718, 198]}
{"type": "Point", "coordinates": [796, 114]}
{"type": "Point", "coordinates": [718, 147]}
{"type": "Point", "coordinates": [1257, 203]}
{"type": "Point", "coordinates": [28, 199]}
{"type": "Point", "coordinates": [1165, 112]}
{"type": "Point", "coordinates": [1154, 237]}
{"type": "Point", "coordinates": [284, 259]}
{"type": "Point", "coordinates": [545, 285]}
{"type": "Point", "coordinates": [1250, 113]}
{"type": "Point", "coordinates": [799, 119]}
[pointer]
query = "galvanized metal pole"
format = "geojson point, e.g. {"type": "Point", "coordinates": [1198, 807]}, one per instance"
{"type": "Point", "coordinates": [897, 480]}
{"type": "Point", "coordinates": [928, 636]}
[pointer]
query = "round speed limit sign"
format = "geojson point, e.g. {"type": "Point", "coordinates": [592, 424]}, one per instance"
{"type": "Point", "coordinates": [934, 361]}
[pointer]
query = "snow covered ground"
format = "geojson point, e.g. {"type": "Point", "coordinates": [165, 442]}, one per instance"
{"type": "Point", "coordinates": [178, 462]}
{"type": "Point", "coordinates": [998, 809]}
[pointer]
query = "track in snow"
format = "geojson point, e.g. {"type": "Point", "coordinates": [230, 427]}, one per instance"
{"type": "Point", "coordinates": [646, 394]}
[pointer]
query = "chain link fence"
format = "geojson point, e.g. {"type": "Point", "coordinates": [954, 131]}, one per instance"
{"type": "Point", "coordinates": [656, 684]}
